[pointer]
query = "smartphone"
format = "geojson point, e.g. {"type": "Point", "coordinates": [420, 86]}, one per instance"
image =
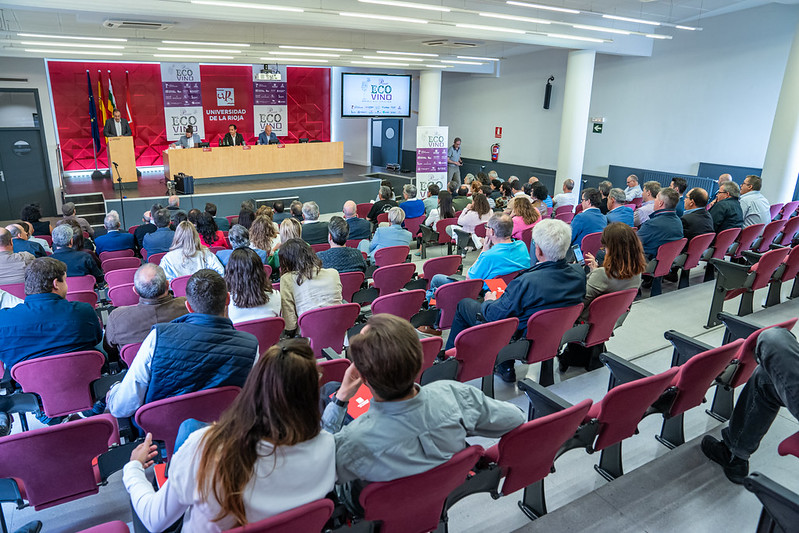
{"type": "Point", "coordinates": [578, 254]}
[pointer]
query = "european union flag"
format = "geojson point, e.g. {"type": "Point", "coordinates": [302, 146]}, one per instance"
{"type": "Point", "coordinates": [93, 116]}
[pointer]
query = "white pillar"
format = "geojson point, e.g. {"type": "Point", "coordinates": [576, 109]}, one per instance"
{"type": "Point", "coordinates": [782, 156]}
{"type": "Point", "coordinates": [574, 123]}
{"type": "Point", "coordinates": [429, 97]}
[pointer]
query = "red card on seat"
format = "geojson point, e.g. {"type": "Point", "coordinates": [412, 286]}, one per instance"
{"type": "Point", "coordinates": [496, 285]}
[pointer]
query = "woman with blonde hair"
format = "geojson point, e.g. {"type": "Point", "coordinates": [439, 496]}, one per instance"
{"type": "Point", "coordinates": [266, 455]}
{"type": "Point", "coordinates": [524, 215]}
{"type": "Point", "coordinates": [187, 255]}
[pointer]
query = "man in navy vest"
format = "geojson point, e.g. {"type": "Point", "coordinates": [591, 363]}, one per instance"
{"type": "Point", "coordinates": [194, 352]}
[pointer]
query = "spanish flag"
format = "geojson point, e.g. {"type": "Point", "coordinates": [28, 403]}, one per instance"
{"type": "Point", "coordinates": [100, 98]}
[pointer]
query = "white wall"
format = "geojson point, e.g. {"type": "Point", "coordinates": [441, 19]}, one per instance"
{"type": "Point", "coordinates": [353, 132]}
{"type": "Point", "coordinates": [703, 96]}
{"type": "Point", "coordinates": [34, 70]}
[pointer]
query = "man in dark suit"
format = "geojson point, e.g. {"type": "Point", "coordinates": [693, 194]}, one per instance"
{"type": "Point", "coordinates": [160, 240]}
{"type": "Point", "coordinates": [726, 212]}
{"type": "Point", "coordinates": [19, 239]}
{"type": "Point", "coordinates": [117, 126]}
{"type": "Point", "coordinates": [147, 226]}
{"type": "Point", "coordinates": [360, 228]}
{"type": "Point", "coordinates": [696, 220]}
{"type": "Point", "coordinates": [232, 137]}
{"type": "Point", "coordinates": [114, 239]}
{"type": "Point", "coordinates": [313, 231]}
{"type": "Point", "coordinates": [78, 263]}
{"type": "Point", "coordinates": [268, 136]}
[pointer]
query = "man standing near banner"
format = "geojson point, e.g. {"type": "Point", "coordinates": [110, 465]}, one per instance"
{"type": "Point", "coordinates": [268, 136]}
{"type": "Point", "coordinates": [117, 126]}
{"type": "Point", "coordinates": [454, 161]}
{"type": "Point", "coordinates": [232, 137]}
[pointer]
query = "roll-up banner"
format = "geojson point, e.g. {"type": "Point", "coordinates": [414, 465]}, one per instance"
{"type": "Point", "coordinates": [431, 157]}
{"type": "Point", "coordinates": [270, 103]}
{"type": "Point", "coordinates": [182, 99]}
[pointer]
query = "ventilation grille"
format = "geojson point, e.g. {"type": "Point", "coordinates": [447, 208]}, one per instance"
{"type": "Point", "coordinates": [451, 44]}
{"type": "Point", "coordinates": [15, 80]}
{"type": "Point", "coordinates": [137, 25]}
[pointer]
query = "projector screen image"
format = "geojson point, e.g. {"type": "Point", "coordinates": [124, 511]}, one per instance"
{"type": "Point", "coordinates": [375, 95]}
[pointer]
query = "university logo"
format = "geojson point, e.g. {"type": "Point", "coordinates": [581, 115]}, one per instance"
{"type": "Point", "coordinates": [225, 97]}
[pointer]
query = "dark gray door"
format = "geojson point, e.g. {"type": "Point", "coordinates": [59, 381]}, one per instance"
{"type": "Point", "coordinates": [386, 141]}
{"type": "Point", "coordinates": [23, 173]}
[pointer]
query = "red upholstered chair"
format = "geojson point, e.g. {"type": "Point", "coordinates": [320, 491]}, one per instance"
{"type": "Point", "coordinates": [480, 230]}
{"type": "Point", "coordinates": [363, 209]}
{"type": "Point", "coordinates": [789, 446]}
{"type": "Point", "coordinates": [447, 298]}
{"type": "Point", "coordinates": [392, 278]}
{"type": "Point", "coordinates": [63, 381]}
{"type": "Point", "coordinates": [724, 240]}
{"type": "Point", "coordinates": [15, 289]}
{"type": "Point", "coordinates": [441, 234]}
{"type": "Point", "coordinates": [124, 294]}
{"type": "Point", "coordinates": [788, 232]}
{"type": "Point", "coordinates": [789, 209]}
{"type": "Point", "coordinates": [81, 283]}
{"type": "Point", "coordinates": [132, 229]}
{"type": "Point", "coordinates": [120, 277]}
{"type": "Point", "coordinates": [566, 217]}
{"type": "Point", "coordinates": [128, 352]}
{"type": "Point", "coordinates": [352, 243]}
{"type": "Point", "coordinates": [661, 265]}
{"type": "Point", "coordinates": [310, 517]}
{"type": "Point", "coordinates": [476, 349]}
{"type": "Point", "coordinates": [232, 219]}
{"type": "Point", "coordinates": [332, 369]}
{"type": "Point", "coordinates": [391, 255]}
{"type": "Point", "coordinates": [63, 456]}
{"type": "Point", "coordinates": [268, 271]}
{"type": "Point", "coordinates": [178, 285]}
{"type": "Point", "coordinates": [156, 258]}
{"type": "Point", "coordinates": [578, 209]}
{"type": "Point", "coordinates": [47, 238]}
{"type": "Point", "coordinates": [446, 265]}
{"type": "Point", "coordinates": [415, 504]}
{"type": "Point", "coordinates": [162, 418]}
{"type": "Point", "coordinates": [636, 202]}
{"type": "Point", "coordinates": [320, 247]}
{"type": "Point", "coordinates": [89, 297]}
{"type": "Point", "coordinates": [785, 273]}
{"type": "Point", "coordinates": [215, 249]}
{"type": "Point", "coordinates": [507, 278]}
{"type": "Point", "coordinates": [403, 304]}
{"type": "Point", "coordinates": [527, 238]}
{"type": "Point", "coordinates": [120, 262]}
{"type": "Point", "coordinates": [266, 330]}
{"type": "Point", "coordinates": [564, 209]}
{"type": "Point", "coordinates": [116, 254]}
{"type": "Point", "coordinates": [604, 313]}
{"type": "Point", "coordinates": [116, 526]}
{"type": "Point", "coordinates": [775, 210]}
{"type": "Point", "coordinates": [591, 243]}
{"type": "Point", "coordinates": [691, 256]}
{"type": "Point", "coordinates": [745, 240]}
{"type": "Point", "coordinates": [413, 224]}
{"type": "Point", "coordinates": [770, 232]}
{"type": "Point", "coordinates": [431, 347]}
{"type": "Point", "coordinates": [326, 327]}
{"type": "Point", "coordinates": [382, 217]}
{"type": "Point", "coordinates": [350, 284]}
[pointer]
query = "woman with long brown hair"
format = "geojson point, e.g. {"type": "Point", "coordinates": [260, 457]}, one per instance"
{"type": "Point", "coordinates": [266, 455]}
{"type": "Point", "coordinates": [524, 215]}
{"type": "Point", "coordinates": [251, 293]}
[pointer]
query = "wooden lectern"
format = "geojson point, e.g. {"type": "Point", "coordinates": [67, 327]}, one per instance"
{"type": "Point", "coordinates": [120, 151]}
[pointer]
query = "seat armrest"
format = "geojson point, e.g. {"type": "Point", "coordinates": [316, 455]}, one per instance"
{"type": "Point", "coordinates": [116, 458]}
{"type": "Point", "coordinates": [577, 333]}
{"type": "Point", "coordinates": [19, 402]}
{"type": "Point", "coordinates": [621, 370]}
{"type": "Point", "coordinates": [9, 492]}
{"type": "Point", "coordinates": [331, 354]}
{"type": "Point", "coordinates": [516, 351]}
{"type": "Point", "coordinates": [102, 385]}
{"type": "Point", "coordinates": [685, 347]}
{"type": "Point", "coordinates": [751, 257]}
{"type": "Point", "coordinates": [731, 275]}
{"type": "Point", "coordinates": [679, 261]}
{"type": "Point", "coordinates": [543, 402]}
{"type": "Point", "coordinates": [736, 327]}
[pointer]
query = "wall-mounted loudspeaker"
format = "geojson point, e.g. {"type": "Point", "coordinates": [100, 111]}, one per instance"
{"type": "Point", "coordinates": [548, 92]}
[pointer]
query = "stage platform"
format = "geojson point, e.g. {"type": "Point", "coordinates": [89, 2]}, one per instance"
{"type": "Point", "coordinates": [330, 191]}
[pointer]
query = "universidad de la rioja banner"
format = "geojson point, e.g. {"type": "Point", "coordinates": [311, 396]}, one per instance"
{"type": "Point", "coordinates": [182, 99]}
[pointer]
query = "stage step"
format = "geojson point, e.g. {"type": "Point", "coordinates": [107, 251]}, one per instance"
{"type": "Point", "coordinates": [90, 206]}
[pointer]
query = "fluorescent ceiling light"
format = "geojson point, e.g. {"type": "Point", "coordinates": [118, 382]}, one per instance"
{"type": "Point", "coordinates": [514, 17]}
{"type": "Point", "coordinates": [409, 5]}
{"type": "Point", "coordinates": [192, 56]}
{"type": "Point", "coordinates": [453, 62]}
{"type": "Point", "coordinates": [406, 53]}
{"type": "Point", "coordinates": [77, 52]}
{"type": "Point", "coordinates": [575, 38]}
{"type": "Point", "coordinates": [74, 45]}
{"type": "Point", "coordinates": [548, 8]}
{"type": "Point", "coordinates": [383, 17]}
{"type": "Point", "coordinates": [656, 36]}
{"type": "Point", "coordinates": [689, 28]}
{"type": "Point", "coordinates": [437, 66]}
{"type": "Point", "coordinates": [379, 63]}
{"type": "Point", "coordinates": [322, 48]}
{"type": "Point", "coordinates": [314, 54]}
{"type": "Point", "coordinates": [176, 49]}
{"type": "Point", "coordinates": [247, 5]}
{"type": "Point", "coordinates": [628, 19]}
{"type": "Point", "coordinates": [43, 36]}
{"type": "Point", "coordinates": [489, 28]}
{"type": "Point", "coordinates": [600, 28]}
{"type": "Point", "coordinates": [394, 58]}
{"type": "Point", "coordinates": [294, 59]}
{"type": "Point", "coordinates": [478, 58]}
{"type": "Point", "coordinates": [201, 43]}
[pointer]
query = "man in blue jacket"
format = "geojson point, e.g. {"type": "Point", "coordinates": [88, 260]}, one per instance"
{"type": "Point", "coordinates": [198, 351]}
{"type": "Point", "coordinates": [617, 211]}
{"type": "Point", "coordinates": [114, 239]}
{"type": "Point", "coordinates": [591, 219]}
{"type": "Point", "coordinates": [267, 136]}
{"type": "Point", "coordinates": [551, 283]}
{"type": "Point", "coordinates": [663, 225]}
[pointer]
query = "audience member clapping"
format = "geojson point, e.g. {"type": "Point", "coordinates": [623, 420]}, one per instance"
{"type": "Point", "coordinates": [187, 255]}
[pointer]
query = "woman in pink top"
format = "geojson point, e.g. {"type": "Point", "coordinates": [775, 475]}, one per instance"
{"type": "Point", "coordinates": [472, 216]}
{"type": "Point", "coordinates": [524, 215]}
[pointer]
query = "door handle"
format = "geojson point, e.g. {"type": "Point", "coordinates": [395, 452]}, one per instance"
{"type": "Point", "coordinates": [2, 176]}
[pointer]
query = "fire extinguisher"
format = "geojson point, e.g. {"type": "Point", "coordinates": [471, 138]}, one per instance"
{"type": "Point", "coordinates": [495, 152]}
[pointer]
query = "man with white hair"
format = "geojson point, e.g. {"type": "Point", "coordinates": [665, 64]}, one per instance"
{"type": "Point", "coordinates": [78, 263]}
{"type": "Point", "coordinates": [413, 206]}
{"type": "Point", "coordinates": [551, 283]}
{"type": "Point", "coordinates": [313, 230]}
{"type": "Point", "coordinates": [113, 240]}
{"type": "Point", "coordinates": [360, 228]}
{"type": "Point", "coordinates": [633, 190]}
{"type": "Point", "coordinates": [724, 178]}
{"type": "Point", "coordinates": [392, 235]}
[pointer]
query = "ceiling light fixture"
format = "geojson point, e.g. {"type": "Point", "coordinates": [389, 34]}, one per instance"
{"type": "Point", "coordinates": [314, 54]}
{"type": "Point", "coordinates": [406, 53]}
{"type": "Point", "coordinates": [437, 66]}
{"type": "Point", "coordinates": [689, 28]}
{"type": "Point", "coordinates": [656, 36]}
{"type": "Point", "coordinates": [74, 45]}
{"type": "Point", "coordinates": [294, 59]}
{"type": "Point", "coordinates": [490, 28]}
{"type": "Point", "coordinates": [43, 36]}
{"type": "Point", "coordinates": [514, 17]}
{"type": "Point", "coordinates": [478, 58]}
{"type": "Point", "coordinates": [577, 38]}
{"type": "Point", "coordinates": [600, 28]}
{"type": "Point", "coordinates": [548, 8]}
{"type": "Point", "coordinates": [379, 63]}
{"type": "Point", "coordinates": [201, 43]}
{"type": "Point", "coordinates": [192, 56]}
{"type": "Point", "coordinates": [411, 59]}
{"type": "Point", "coordinates": [247, 5]}
{"type": "Point", "coordinates": [322, 48]}
{"type": "Point", "coordinates": [453, 62]}
{"type": "Point", "coordinates": [176, 49]}
{"type": "Point", "coordinates": [409, 5]}
{"type": "Point", "coordinates": [629, 19]}
{"type": "Point", "coordinates": [384, 17]}
{"type": "Point", "coordinates": [77, 52]}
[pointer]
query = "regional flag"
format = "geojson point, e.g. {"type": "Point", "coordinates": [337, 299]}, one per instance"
{"type": "Point", "coordinates": [112, 105]}
{"type": "Point", "coordinates": [127, 103]}
{"type": "Point", "coordinates": [93, 115]}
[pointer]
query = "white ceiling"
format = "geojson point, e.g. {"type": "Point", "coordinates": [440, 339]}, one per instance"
{"type": "Point", "coordinates": [321, 25]}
